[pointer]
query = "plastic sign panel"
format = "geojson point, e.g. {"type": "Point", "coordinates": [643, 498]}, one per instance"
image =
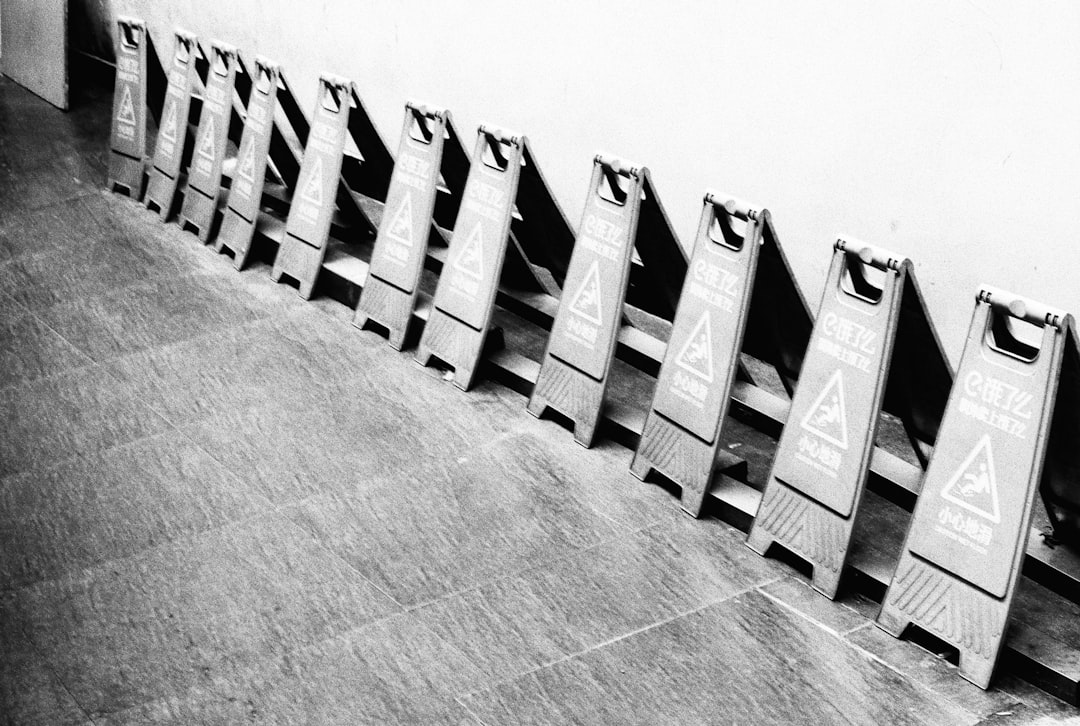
{"type": "Point", "coordinates": [245, 194]}
{"type": "Point", "coordinates": [211, 140]}
{"type": "Point", "coordinates": [961, 560]}
{"type": "Point", "coordinates": [580, 348]}
{"type": "Point", "coordinates": [465, 297]}
{"type": "Point", "coordinates": [682, 432]}
{"type": "Point", "coordinates": [127, 145]}
{"type": "Point", "coordinates": [172, 131]}
{"type": "Point", "coordinates": [821, 464]}
{"type": "Point", "coordinates": [401, 245]}
{"type": "Point", "coordinates": [307, 229]}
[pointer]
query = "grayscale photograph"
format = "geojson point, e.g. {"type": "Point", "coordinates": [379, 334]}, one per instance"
{"type": "Point", "coordinates": [507, 362]}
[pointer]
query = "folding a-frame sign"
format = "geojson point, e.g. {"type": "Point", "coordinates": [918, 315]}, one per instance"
{"type": "Point", "coordinates": [329, 175]}
{"type": "Point", "coordinates": [140, 86]}
{"type": "Point", "coordinates": [465, 297]}
{"type": "Point", "coordinates": [430, 149]}
{"type": "Point", "coordinates": [1008, 427]}
{"type": "Point", "coordinates": [726, 287]}
{"type": "Point", "coordinates": [308, 227]}
{"type": "Point", "coordinates": [503, 177]}
{"type": "Point", "coordinates": [263, 147]}
{"type": "Point", "coordinates": [227, 76]}
{"type": "Point", "coordinates": [171, 150]}
{"type": "Point", "coordinates": [822, 462]}
{"type": "Point", "coordinates": [622, 213]}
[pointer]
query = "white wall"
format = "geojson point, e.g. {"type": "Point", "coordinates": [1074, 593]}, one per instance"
{"type": "Point", "coordinates": [945, 130]}
{"type": "Point", "coordinates": [34, 36]}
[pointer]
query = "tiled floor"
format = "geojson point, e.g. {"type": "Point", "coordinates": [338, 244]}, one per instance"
{"type": "Point", "coordinates": [221, 505]}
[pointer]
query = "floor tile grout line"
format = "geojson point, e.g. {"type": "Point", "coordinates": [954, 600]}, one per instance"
{"type": "Point", "coordinates": [470, 711]}
{"type": "Point", "coordinates": [16, 301]}
{"type": "Point", "coordinates": [373, 623]}
{"type": "Point", "coordinates": [112, 360]}
{"type": "Point", "coordinates": [189, 536]}
{"type": "Point", "coordinates": [126, 356]}
{"type": "Point", "coordinates": [556, 473]}
{"type": "Point", "coordinates": [806, 616]}
{"type": "Point", "coordinates": [32, 208]}
{"type": "Point", "coordinates": [175, 429]}
{"type": "Point", "coordinates": [413, 609]}
{"type": "Point", "coordinates": [44, 323]}
{"type": "Point", "coordinates": [917, 684]}
{"type": "Point", "coordinates": [194, 273]}
{"type": "Point", "coordinates": [912, 681]}
{"type": "Point", "coordinates": [547, 563]}
{"type": "Point", "coordinates": [340, 559]}
{"type": "Point", "coordinates": [274, 507]}
{"type": "Point", "coordinates": [95, 452]}
{"type": "Point", "coordinates": [405, 608]}
{"type": "Point", "coordinates": [51, 466]}
{"type": "Point", "coordinates": [616, 535]}
{"type": "Point", "coordinates": [131, 556]}
{"type": "Point", "coordinates": [502, 436]}
{"type": "Point", "coordinates": [863, 626]}
{"type": "Point", "coordinates": [172, 430]}
{"type": "Point", "coordinates": [624, 636]}
{"type": "Point", "coordinates": [52, 670]}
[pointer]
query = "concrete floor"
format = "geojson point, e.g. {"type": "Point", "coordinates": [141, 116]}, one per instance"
{"type": "Point", "coordinates": [220, 504]}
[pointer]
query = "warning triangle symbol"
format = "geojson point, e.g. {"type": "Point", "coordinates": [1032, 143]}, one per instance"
{"type": "Point", "coordinates": [247, 165]}
{"type": "Point", "coordinates": [168, 126]}
{"type": "Point", "coordinates": [696, 353]}
{"type": "Point", "coordinates": [974, 485]}
{"type": "Point", "coordinates": [828, 415]}
{"type": "Point", "coordinates": [401, 225]}
{"type": "Point", "coordinates": [206, 148]}
{"type": "Point", "coordinates": [313, 188]}
{"type": "Point", "coordinates": [127, 108]}
{"type": "Point", "coordinates": [471, 258]}
{"type": "Point", "coordinates": [586, 301]}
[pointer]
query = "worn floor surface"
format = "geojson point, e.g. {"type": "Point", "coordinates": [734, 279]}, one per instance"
{"type": "Point", "coordinates": [221, 505]}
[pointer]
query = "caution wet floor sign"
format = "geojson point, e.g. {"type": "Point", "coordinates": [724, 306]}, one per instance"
{"type": "Point", "coordinates": [821, 464]}
{"type": "Point", "coordinates": [961, 559]}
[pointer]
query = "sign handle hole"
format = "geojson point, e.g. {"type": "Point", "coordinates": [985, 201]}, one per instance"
{"type": "Point", "coordinates": [614, 187]}
{"type": "Point", "coordinates": [421, 128]}
{"type": "Point", "coordinates": [331, 98]}
{"type": "Point", "coordinates": [1014, 337]}
{"type": "Point", "coordinates": [130, 36]}
{"type": "Point", "coordinates": [861, 280]}
{"type": "Point", "coordinates": [221, 63]}
{"type": "Point", "coordinates": [726, 230]}
{"type": "Point", "coordinates": [263, 82]}
{"type": "Point", "coordinates": [494, 157]}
